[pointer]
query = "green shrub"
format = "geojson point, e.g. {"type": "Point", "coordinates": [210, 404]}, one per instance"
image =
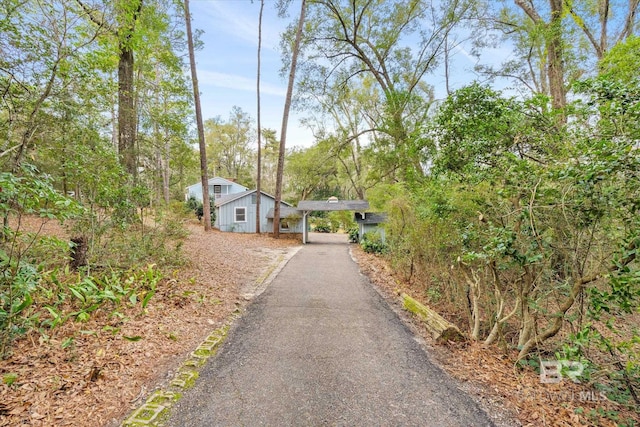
{"type": "Point", "coordinates": [322, 225]}
{"type": "Point", "coordinates": [193, 204]}
{"type": "Point", "coordinates": [354, 234]}
{"type": "Point", "coordinates": [22, 255]}
{"type": "Point", "coordinates": [341, 220]}
{"type": "Point", "coordinates": [198, 208]}
{"type": "Point", "coordinates": [372, 243]}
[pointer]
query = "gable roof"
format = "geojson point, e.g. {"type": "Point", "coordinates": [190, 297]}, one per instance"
{"type": "Point", "coordinates": [220, 201]}
{"type": "Point", "coordinates": [333, 205]}
{"type": "Point", "coordinates": [216, 180]}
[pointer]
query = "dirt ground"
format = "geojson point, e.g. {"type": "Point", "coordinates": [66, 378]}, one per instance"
{"type": "Point", "coordinates": [102, 375]}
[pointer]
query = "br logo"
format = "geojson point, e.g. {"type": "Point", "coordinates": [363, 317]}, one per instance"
{"type": "Point", "coordinates": [552, 371]}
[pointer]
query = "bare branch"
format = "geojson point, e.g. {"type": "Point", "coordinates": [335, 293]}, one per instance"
{"type": "Point", "coordinates": [528, 8]}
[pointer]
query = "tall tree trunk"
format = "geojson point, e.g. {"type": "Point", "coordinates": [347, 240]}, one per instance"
{"type": "Point", "coordinates": [554, 48]}
{"type": "Point", "coordinates": [127, 12]}
{"type": "Point", "coordinates": [126, 110]}
{"type": "Point", "coordinates": [206, 207]}
{"type": "Point", "coordinates": [166, 172]}
{"type": "Point", "coordinates": [446, 64]}
{"type": "Point", "coordinates": [555, 57]}
{"type": "Point", "coordinates": [259, 171]}
{"type": "Point", "coordinates": [285, 121]}
{"type": "Point", "coordinates": [127, 117]}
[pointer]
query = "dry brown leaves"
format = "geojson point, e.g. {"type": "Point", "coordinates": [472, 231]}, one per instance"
{"type": "Point", "coordinates": [494, 372]}
{"type": "Point", "coordinates": [100, 375]}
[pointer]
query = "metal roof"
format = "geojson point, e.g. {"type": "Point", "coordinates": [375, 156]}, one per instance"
{"type": "Point", "coordinates": [228, 198]}
{"type": "Point", "coordinates": [333, 205]}
{"type": "Point", "coordinates": [371, 218]}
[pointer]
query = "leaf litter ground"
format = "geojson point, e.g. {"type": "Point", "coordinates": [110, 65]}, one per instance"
{"type": "Point", "coordinates": [491, 376]}
{"type": "Point", "coordinates": [94, 373]}
{"type": "Point", "coordinates": [111, 365]}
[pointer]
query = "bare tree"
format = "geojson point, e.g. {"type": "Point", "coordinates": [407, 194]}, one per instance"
{"type": "Point", "coordinates": [206, 209]}
{"type": "Point", "coordinates": [595, 22]}
{"type": "Point", "coordinates": [285, 120]}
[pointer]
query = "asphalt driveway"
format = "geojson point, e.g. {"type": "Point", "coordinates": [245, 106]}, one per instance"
{"type": "Point", "coordinates": [321, 347]}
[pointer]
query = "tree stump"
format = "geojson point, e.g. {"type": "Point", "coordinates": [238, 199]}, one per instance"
{"type": "Point", "coordinates": [79, 247]}
{"type": "Point", "coordinates": [441, 330]}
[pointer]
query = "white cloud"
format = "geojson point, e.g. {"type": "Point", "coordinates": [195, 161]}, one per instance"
{"type": "Point", "coordinates": [239, 20]}
{"type": "Point", "coordinates": [237, 82]}
{"type": "Point", "coordinates": [458, 48]}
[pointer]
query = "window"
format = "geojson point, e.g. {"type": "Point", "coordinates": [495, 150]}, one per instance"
{"type": "Point", "coordinates": [253, 199]}
{"type": "Point", "coordinates": [217, 191]}
{"type": "Point", "coordinates": [241, 214]}
{"type": "Point", "coordinates": [284, 225]}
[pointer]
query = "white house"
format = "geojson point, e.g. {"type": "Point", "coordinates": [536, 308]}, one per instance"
{"type": "Point", "coordinates": [218, 187]}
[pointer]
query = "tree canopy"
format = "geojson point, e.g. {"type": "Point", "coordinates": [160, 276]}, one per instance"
{"type": "Point", "coordinates": [512, 200]}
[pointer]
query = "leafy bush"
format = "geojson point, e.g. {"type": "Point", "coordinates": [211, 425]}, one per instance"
{"type": "Point", "coordinates": [78, 299]}
{"type": "Point", "coordinates": [341, 220]}
{"type": "Point", "coordinates": [34, 292]}
{"type": "Point", "coordinates": [28, 193]}
{"type": "Point", "coordinates": [322, 225]}
{"type": "Point", "coordinates": [372, 243]}
{"type": "Point", "coordinates": [198, 208]}
{"type": "Point", "coordinates": [192, 204]}
{"type": "Point", "coordinates": [18, 281]}
{"type": "Point", "coordinates": [354, 233]}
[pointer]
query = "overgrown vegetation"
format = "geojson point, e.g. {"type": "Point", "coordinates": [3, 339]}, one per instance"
{"type": "Point", "coordinates": [38, 289]}
{"type": "Point", "coordinates": [372, 243]}
{"type": "Point", "coordinates": [196, 206]}
{"type": "Point", "coordinates": [93, 139]}
{"type": "Point", "coordinates": [514, 212]}
{"type": "Point", "coordinates": [321, 225]}
{"type": "Point", "coordinates": [529, 231]}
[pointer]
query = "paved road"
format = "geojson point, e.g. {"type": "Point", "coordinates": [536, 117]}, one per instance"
{"type": "Point", "coordinates": [321, 347]}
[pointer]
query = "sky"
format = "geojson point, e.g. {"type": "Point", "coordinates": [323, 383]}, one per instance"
{"type": "Point", "coordinates": [227, 64]}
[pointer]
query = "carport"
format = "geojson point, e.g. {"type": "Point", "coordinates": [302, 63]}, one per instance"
{"type": "Point", "coordinates": [329, 205]}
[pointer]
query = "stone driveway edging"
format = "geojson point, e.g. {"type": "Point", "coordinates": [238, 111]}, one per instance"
{"type": "Point", "coordinates": [155, 411]}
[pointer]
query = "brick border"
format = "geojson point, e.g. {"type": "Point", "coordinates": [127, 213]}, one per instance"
{"type": "Point", "coordinates": [156, 409]}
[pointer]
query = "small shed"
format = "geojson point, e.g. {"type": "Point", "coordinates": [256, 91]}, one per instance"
{"type": "Point", "coordinates": [370, 222]}
{"type": "Point", "coordinates": [218, 188]}
{"type": "Point", "coordinates": [237, 212]}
